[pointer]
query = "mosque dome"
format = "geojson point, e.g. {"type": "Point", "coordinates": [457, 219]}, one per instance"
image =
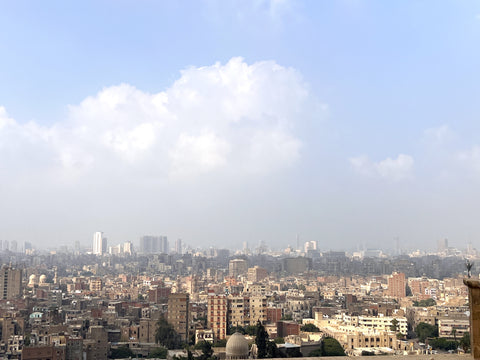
{"type": "Point", "coordinates": [237, 347]}
{"type": "Point", "coordinates": [32, 279]}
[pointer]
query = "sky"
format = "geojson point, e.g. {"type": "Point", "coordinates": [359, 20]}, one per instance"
{"type": "Point", "coordinates": [348, 122]}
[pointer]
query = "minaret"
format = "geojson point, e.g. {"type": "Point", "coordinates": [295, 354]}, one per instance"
{"type": "Point", "coordinates": [55, 277]}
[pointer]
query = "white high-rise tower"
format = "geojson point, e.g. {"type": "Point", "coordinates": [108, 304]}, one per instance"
{"type": "Point", "coordinates": [99, 243]}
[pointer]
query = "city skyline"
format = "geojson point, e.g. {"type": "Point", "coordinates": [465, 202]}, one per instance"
{"type": "Point", "coordinates": [348, 122]}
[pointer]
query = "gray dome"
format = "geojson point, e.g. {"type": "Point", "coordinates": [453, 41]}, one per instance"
{"type": "Point", "coordinates": [237, 347]}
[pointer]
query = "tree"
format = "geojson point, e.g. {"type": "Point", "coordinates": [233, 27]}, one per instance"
{"type": "Point", "coordinates": [425, 330]}
{"type": "Point", "coordinates": [465, 342]}
{"type": "Point", "coordinates": [158, 353]}
{"type": "Point", "coordinates": [166, 335]}
{"type": "Point", "coordinates": [443, 344]}
{"type": "Point", "coordinates": [206, 348]}
{"type": "Point", "coordinates": [287, 317]}
{"type": "Point", "coordinates": [309, 328]}
{"type": "Point", "coordinates": [331, 347]}
{"type": "Point", "coordinates": [425, 303]}
{"type": "Point", "coordinates": [250, 330]}
{"type": "Point", "coordinates": [279, 340]}
{"type": "Point", "coordinates": [454, 333]}
{"type": "Point", "coordinates": [220, 343]}
{"type": "Point", "coordinates": [394, 325]}
{"type": "Point", "coordinates": [272, 350]}
{"type": "Point", "coordinates": [261, 340]}
{"type": "Point", "coordinates": [294, 352]}
{"type": "Point", "coordinates": [123, 352]}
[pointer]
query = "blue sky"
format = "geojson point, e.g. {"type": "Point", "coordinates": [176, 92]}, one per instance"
{"type": "Point", "coordinates": [348, 122]}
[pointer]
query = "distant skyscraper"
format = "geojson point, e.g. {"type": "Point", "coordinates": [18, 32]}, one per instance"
{"type": "Point", "coordinates": [99, 243]}
{"type": "Point", "coordinates": [128, 248]}
{"type": "Point", "coordinates": [153, 244]}
{"type": "Point", "coordinates": [442, 244]}
{"type": "Point", "coordinates": [310, 245]}
{"type": "Point", "coordinates": [178, 246]}
{"type": "Point", "coordinates": [77, 247]}
{"type": "Point", "coordinates": [27, 246]}
{"type": "Point", "coordinates": [237, 267]}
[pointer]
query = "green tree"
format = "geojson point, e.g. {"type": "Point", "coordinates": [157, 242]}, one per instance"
{"type": "Point", "coordinates": [27, 340]}
{"type": "Point", "coordinates": [206, 348]}
{"type": "Point", "coordinates": [425, 303]}
{"type": "Point", "coordinates": [310, 328]}
{"type": "Point", "coordinates": [123, 352]}
{"type": "Point", "coordinates": [250, 330]}
{"type": "Point", "coordinates": [261, 340]}
{"type": "Point", "coordinates": [158, 353]}
{"type": "Point", "coordinates": [279, 340]}
{"type": "Point", "coordinates": [425, 330]}
{"type": "Point", "coordinates": [443, 344]}
{"type": "Point", "coordinates": [454, 333]}
{"type": "Point", "coordinates": [272, 350]}
{"type": "Point", "coordinates": [465, 342]}
{"type": "Point", "coordinates": [166, 335]}
{"type": "Point", "coordinates": [331, 347]}
{"type": "Point", "coordinates": [394, 325]}
{"type": "Point", "coordinates": [220, 343]}
{"type": "Point", "coordinates": [294, 352]}
{"type": "Point", "coordinates": [287, 317]}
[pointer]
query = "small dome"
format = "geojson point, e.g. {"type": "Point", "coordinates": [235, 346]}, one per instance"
{"type": "Point", "coordinates": [237, 347]}
{"type": "Point", "coordinates": [32, 279]}
{"type": "Point", "coordinates": [43, 279]}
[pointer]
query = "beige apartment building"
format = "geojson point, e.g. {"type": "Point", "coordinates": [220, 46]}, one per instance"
{"type": "Point", "coordinates": [238, 310]}
{"type": "Point", "coordinates": [257, 274]}
{"type": "Point", "coordinates": [11, 280]}
{"type": "Point", "coordinates": [237, 267]}
{"type": "Point", "coordinates": [258, 309]}
{"type": "Point", "coordinates": [217, 315]}
{"type": "Point", "coordinates": [178, 314]}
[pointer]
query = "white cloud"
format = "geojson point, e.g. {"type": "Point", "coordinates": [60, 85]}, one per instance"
{"type": "Point", "coordinates": [397, 169]}
{"type": "Point", "coordinates": [236, 116]}
{"type": "Point", "coordinates": [198, 154]}
{"type": "Point", "coordinates": [439, 135]}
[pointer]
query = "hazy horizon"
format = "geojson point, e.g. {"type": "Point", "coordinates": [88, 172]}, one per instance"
{"type": "Point", "coordinates": [218, 122]}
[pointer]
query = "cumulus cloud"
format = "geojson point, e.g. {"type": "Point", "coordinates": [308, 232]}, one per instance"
{"type": "Point", "coordinates": [397, 169]}
{"type": "Point", "coordinates": [236, 116]}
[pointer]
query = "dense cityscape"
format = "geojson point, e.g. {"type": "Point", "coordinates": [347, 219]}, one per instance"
{"type": "Point", "coordinates": [239, 179]}
{"type": "Point", "coordinates": [151, 299]}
